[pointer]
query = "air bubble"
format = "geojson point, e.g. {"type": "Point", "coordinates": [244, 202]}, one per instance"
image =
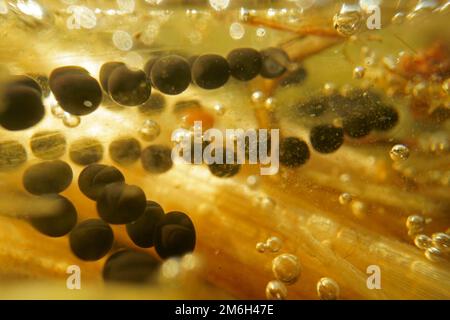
{"type": "Point", "coordinates": [267, 203]}
{"type": "Point", "coordinates": [150, 130]}
{"type": "Point", "coordinates": [257, 96]}
{"type": "Point", "coordinates": [189, 262]}
{"type": "Point", "coordinates": [70, 120]}
{"type": "Point", "coordinates": [276, 290]}
{"type": "Point", "coordinates": [359, 72]}
{"type": "Point", "coordinates": [359, 209]}
{"type": "Point", "coordinates": [253, 181]}
{"type": "Point", "coordinates": [271, 12]}
{"type": "Point", "coordinates": [270, 103]}
{"type": "Point", "coordinates": [415, 223]}
{"type": "Point", "coordinates": [345, 177]}
{"type": "Point", "coordinates": [422, 241]}
{"type": "Point", "coordinates": [433, 254]}
{"type": "Point", "coordinates": [170, 268]}
{"type": "Point", "coordinates": [219, 5]}
{"type": "Point", "coordinates": [399, 152]}
{"type": "Point", "coordinates": [441, 241]}
{"type": "Point", "coordinates": [345, 198]}
{"type": "Point", "coordinates": [260, 32]}
{"type": "Point", "coordinates": [348, 21]}
{"type": "Point", "coordinates": [261, 247]}
{"type": "Point", "coordinates": [329, 88]}
{"type": "Point", "coordinates": [237, 31]}
{"type": "Point", "coordinates": [274, 244]}
{"type": "Point", "coordinates": [57, 111]}
{"type": "Point", "coordinates": [122, 40]}
{"type": "Point", "coordinates": [286, 268]}
{"type": "Point", "coordinates": [327, 289]}
{"type": "Point", "coordinates": [219, 109]}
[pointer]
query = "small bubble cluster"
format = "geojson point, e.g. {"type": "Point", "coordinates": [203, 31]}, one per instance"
{"type": "Point", "coordinates": [273, 244]}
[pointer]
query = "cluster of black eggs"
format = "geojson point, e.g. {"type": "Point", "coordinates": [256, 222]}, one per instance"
{"type": "Point", "coordinates": [78, 93]}
{"type": "Point", "coordinates": [172, 234]}
{"type": "Point", "coordinates": [361, 113]}
{"type": "Point", "coordinates": [172, 74]}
